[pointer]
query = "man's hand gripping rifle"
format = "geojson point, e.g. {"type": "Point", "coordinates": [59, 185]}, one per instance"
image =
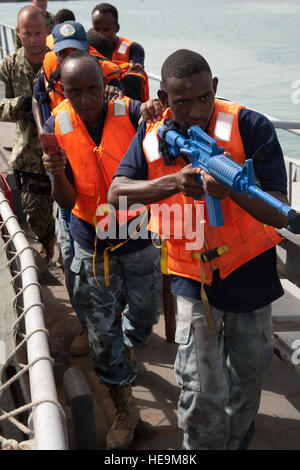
{"type": "Point", "coordinates": [203, 152]}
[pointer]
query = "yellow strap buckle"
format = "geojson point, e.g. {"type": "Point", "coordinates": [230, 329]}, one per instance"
{"type": "Point", "coordinates": [211, 254]}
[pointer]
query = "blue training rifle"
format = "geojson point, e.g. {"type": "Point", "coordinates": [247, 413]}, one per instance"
{"type": "Point", "coordinates": [203, 152]}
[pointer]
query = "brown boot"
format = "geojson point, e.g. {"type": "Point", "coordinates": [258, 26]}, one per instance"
{"type": "Point", "coordinates": [80, 344]}
{"type": "Point", "coordinates": [46, 251]}
{"type": "Point", "coordinates": [127, 418]}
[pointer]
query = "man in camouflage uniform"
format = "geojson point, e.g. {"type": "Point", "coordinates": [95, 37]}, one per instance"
{"type": "Point", "coordinates": [18, 71]}
{"type": "Point", "coordinates": [50, 20]}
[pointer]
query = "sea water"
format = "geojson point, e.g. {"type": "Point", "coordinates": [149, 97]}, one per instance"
{"type": "Point", "coordinates": [252, 46]}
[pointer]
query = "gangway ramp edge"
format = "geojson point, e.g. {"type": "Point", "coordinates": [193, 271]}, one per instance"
{"type": "Point", "coordinates": [46, 427]}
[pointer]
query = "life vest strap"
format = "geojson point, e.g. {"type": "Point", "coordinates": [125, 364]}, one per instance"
{"type": "Point", "coordinates": [210, 254]}
{"type": "Point", "coordinates": [164, 257]}
{"type": "Point", "coordinates": [205, 302]}
{"type": "Point", "coordinates": [51, 82]}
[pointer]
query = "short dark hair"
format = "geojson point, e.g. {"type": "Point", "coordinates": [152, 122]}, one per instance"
{"type": "Point", "coordinates": [183, 63]}
{"type": "Point", "coordinates": [64, 15]}
{"type": "Point", "coordinates": [100, 43]}
{"type": "Point", "coordinates": [78, 54]}
{"type": "Point", "coordinates": [107, 8]}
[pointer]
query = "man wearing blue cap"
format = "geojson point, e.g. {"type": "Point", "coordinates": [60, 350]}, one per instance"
{"type": "Point", "coordinates": [68, 37]}
{"type": "Point", "coordinates": [61, 16]}
{"type": "Point", "coordinates": [70, 34]}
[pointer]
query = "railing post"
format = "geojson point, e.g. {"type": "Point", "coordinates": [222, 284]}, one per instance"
{"type": "Point", "coordinates": [290, 183]}
{"type": "Point", "coordinates": [1, 47]}
{"type": "Point", "coordinates": [6, 40]}
{"type": "Point", "coordinates": [6, 51]}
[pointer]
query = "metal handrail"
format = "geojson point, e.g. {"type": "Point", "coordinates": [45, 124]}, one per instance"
{"type": "Point", "coordinates": [6, 44]}
{"type": "Point", "coordinates": [48, 422]}
{"type": "Point", "coordinates": [289, 126]}
{"type": "Point", "coordinates": [154, 76]}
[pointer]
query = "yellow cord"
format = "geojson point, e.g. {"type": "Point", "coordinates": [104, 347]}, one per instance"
{"type": "Point", "coordinates": [204, 299]}
{"type": "Point", "coordinates": [164, 257]}
{"type": "Point", "coordinates": [111, 248]}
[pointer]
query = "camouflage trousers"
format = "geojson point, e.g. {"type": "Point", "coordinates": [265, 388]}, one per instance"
{"type": "Point", "coordinates": [39, 214]}
{"type": "Point", "coordinates": [64, 240]}
{"type": "Point", "coordinates": [135, 290]}
{"type": "Point", "coordinates": [221, 376]}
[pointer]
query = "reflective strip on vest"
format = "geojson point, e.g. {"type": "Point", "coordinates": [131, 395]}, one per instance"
{"type": "Point", "coordinates": [119, 108]}
{"type": "Point", "coordinates": [151, 145]}
{"type": "Point", "coordinates": [64, 122]}
{"type": "Point", "coordinates": [223, 127]}
{"type": "Point", "coordinates": [123, 47]}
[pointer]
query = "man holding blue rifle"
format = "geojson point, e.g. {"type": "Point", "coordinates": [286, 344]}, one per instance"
{"type": "Point", "coordinates": [224, 287]}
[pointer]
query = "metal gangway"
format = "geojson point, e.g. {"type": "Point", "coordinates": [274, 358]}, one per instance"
{"type": "Point", "coordinates": [7, 37]}
{"type": "Point", "coordinates": [33, 418]}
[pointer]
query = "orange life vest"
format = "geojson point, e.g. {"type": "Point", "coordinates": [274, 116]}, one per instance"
{"type": "Point", "coordinates": [121, 51]}
{"type": "Point", "coordinates": [240, 239]}
{"type": "Point", "coordinates": [52, 74]}
{"type": "Point", "coordinates": [93, 167]}
{"type": "Point", "coordinates": [144, 80]}
{"type": "Point", "coordinates": [120, 56]}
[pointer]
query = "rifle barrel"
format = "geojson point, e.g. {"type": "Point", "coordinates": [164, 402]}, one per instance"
{"type": "Point", "coordinates": [283, 208]}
